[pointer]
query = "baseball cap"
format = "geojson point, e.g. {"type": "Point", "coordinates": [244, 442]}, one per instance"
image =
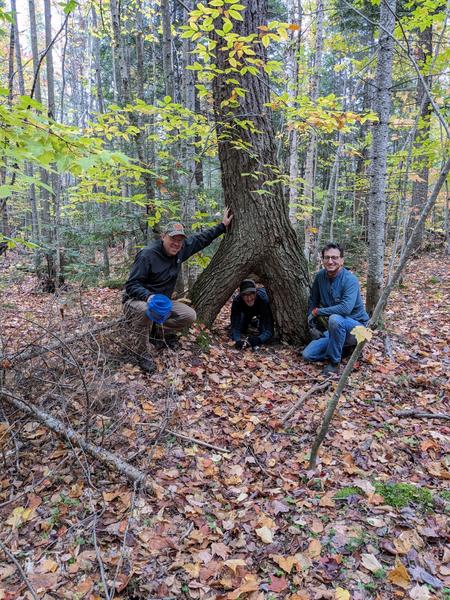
{"type": "Point", "coordinates": [174, 228]}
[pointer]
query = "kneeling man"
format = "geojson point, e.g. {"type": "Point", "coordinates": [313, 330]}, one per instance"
{"type": "Point", "coordinates": [335, 294]}
{"type": "Point", "coordinates": [251, 308]}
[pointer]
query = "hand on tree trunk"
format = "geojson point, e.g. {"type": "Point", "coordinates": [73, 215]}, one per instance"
{"type": "Point", "coordinates": [227, 217]}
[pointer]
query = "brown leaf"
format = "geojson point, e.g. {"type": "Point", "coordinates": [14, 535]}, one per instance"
{"type": "Point", "coordinates": [314, 549]}
{"type": "Point", "coordinates": [399, 576]}
{"type": "Point", "coordinates": [265, 534]}
{"type": "Point", "coordinates": [278, 584]}
{"type": "Point", "coordinates": [370, 562]}
{"type": "Point", "coordinates": [327, 500]}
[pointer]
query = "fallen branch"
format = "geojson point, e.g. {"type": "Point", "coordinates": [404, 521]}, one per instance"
{"type": "Point", "coordinates": [102, 455]}
{"type": "Point", "coordinates": [305, 396]}
{"type": "Point", "coordinates": [187, 438]}
{"type": "Point", "coordinates": [420, 414]}
{"type": "Point", "coordinates": [21, 356]}
{"type": "Point", "coordinates": [11, 557]}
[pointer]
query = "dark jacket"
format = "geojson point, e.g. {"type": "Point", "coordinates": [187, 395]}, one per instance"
{"type": "Point", "coordinates": [154, 272]}
{"type": "Point", "coordinates": [241, 315]}
{"type": "Point", "coordinates": [337, 296]}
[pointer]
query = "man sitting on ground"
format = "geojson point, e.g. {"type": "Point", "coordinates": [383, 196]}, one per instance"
{"type": "Point", "coordinates": [155, 271]}
{"type": "Point", "coordinates": [335, 295]}
{"type": "Point", "coordinates": [251, 308]}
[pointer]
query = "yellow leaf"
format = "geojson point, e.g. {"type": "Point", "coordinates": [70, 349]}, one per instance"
{"type": "Point", "coordinates": [19, 515]}
{"type": "Point", "coordinates": [193, 569]}
{"type": "Point", "coordinates": [361, 333]}
{"type": "Point", "coordinates": [399, 576]}
{"type": "Point", "coordinates": [341, 594]}
{"type": "Point", "coordinates": [294, 27]}
{"type": "Point", "coordinates": [265, 534]}
{"type": "Point", "coordinates": [285, 563]}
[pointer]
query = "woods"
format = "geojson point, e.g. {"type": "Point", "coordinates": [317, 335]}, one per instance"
{"type": "Point", "coordinates": [229, 469]}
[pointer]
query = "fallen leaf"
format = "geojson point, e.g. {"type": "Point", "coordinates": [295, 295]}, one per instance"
{"type": "Point", "coordinates": [193, 569]}
{"type": "Point", "coordinates": [399, 576]}
{"type": "Point", "coordinates": [327, 500]}
{"type": "Point", "coordinates": [314, 549]}
{"type": "Point", "coordinates": [285, 563]}
{"type": "Point", "coordinates": [265, 534]}
{"type": "Point", "coordinates": [19, 515]}
{"type": "Point", "coordinates": [317, 526]}
{"type": "Point", "coordinates": [361, 333]}
{"type": "Point", "coordinates": [251, 584]}
{"type": "Point", "coordinates": [278, 584]}
{"type": "Point", "coordinates": [365, 486]}
{"type": "Point", "coordinates": [341, 594]}
{"type": "Point", "coordinates": [419, 592]}
{"type": "Point", "coordinates": [371, 563]}
{"type": "Point", "coordinates": [234, 563]}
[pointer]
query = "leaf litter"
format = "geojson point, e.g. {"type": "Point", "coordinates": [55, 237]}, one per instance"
{"type": "Point", "coordinates": [250, 521]}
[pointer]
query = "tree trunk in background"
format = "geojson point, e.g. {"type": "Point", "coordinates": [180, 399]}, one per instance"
{"type": "Point", "coordinates": [378, 174]}
{"type": "Point", "coordinates": [295, 16]}
{"type": "Point", "coordinates": [52, 221]}
{"type": "Point", "coordinates": [121, 67]}
{"type": "Point", "coordinates": [261, 239]}
{"type": "Point", "coordinates": [167, 56]}
{"type": "Point", "coordinates": [420, 183]}
{"type": "Point", "coordinates": [34, 49]}
{"type": "Point", "coordinates": [311, 153]}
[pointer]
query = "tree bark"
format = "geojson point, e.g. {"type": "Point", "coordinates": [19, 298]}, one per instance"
{"type": "Point", "coordinates": [420, 183]}
{"type": "Point", "coordinates": [261, 239]}
{"type": "Point", "coordinates": [378, 174]}
{"type": "Point", "coordinates": [311, 152]}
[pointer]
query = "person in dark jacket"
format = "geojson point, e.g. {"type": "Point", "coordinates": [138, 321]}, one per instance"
{"type": "Point", "coordinates": [335, 297]}
{"type": "Point", "coordinates": [155, 271]}
{"type": "Point", "coordinates": [251, 308]}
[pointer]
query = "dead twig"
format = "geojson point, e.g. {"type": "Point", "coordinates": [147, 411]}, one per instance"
{"type": "Point", "coordinates": [27, 582]}
{"type": "Point", "coordinates": [187, 438]}
{"type": "Point", "coordinates": [305, 396]}
{"type": "Point", "coordinates": [65, 431]}
{"type": "Point", "coordinates": [420, 414]}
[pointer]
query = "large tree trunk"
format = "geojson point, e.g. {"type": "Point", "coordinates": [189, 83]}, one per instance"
{"type": "Point", "coordinates": [261, 239]}
{"type": "Point", "coordinates": [378, 173]}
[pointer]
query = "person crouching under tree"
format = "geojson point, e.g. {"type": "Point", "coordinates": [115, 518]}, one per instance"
{"type": "Point", "coordinates": [251, 310]}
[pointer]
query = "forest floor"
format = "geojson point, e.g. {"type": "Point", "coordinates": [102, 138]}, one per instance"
{"type": "Point", "coordinates": [245, 519]}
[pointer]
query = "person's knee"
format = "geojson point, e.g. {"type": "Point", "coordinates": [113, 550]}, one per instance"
{"type": "Point", "coordinates": [335, 322]}
{"type": "Point", "coordinates": [188, 317]}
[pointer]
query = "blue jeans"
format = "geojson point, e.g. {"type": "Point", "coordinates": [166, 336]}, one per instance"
{"type": "Point", "coordinates": [329, 347]}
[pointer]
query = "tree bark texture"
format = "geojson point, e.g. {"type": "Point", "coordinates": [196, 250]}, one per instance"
{"type": "Point", "coordinates": [420, 184]}
{"type": "Point", "coordinates": [260, 239]}
{"type": "Point", "coordinates": [378, 172]}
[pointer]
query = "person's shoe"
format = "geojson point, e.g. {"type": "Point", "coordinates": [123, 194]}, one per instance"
{"type": "Point", "coordinates": [347, 351]}
{"type": "Point", "coordinates": [330, 369]}
{"type": "Point", "coordinates": [147, 364]}
{"type": "Point", "coordinates": [169, 341]}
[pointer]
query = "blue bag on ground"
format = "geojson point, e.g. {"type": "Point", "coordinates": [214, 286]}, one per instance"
{"type": "Point", "coordinates": [159, 308]}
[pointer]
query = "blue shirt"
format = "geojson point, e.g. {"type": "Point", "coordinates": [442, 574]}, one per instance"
{"type": "Point", "coordinates": [337, 296]}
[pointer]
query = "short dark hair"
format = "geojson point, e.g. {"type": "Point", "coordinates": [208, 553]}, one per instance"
{"type": "Point", "coordinates": [335, 246]}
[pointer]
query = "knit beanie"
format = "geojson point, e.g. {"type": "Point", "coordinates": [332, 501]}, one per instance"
{"type": "Point", "coordinates": [248, 286]}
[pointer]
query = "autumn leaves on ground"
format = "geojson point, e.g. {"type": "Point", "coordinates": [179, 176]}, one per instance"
{"type": "Point", "coordinates": [243, 517]}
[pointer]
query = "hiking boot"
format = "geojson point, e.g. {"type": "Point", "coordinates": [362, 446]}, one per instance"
{"type": "Point", "coordinates": [169, 341]}
{"type": "Point", "coordinates": [330, 369]}
{"type": "Point", "coordinates": [147, 364]}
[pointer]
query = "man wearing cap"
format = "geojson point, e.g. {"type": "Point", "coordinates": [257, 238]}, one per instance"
{"type": "Point", "coordinates": [155, 271]}
{"type": "Point", "coordinates": [250, 306]}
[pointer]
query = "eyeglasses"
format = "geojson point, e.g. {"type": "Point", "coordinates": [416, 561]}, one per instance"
{"type": "Point", "coordinates": [328, 258]}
